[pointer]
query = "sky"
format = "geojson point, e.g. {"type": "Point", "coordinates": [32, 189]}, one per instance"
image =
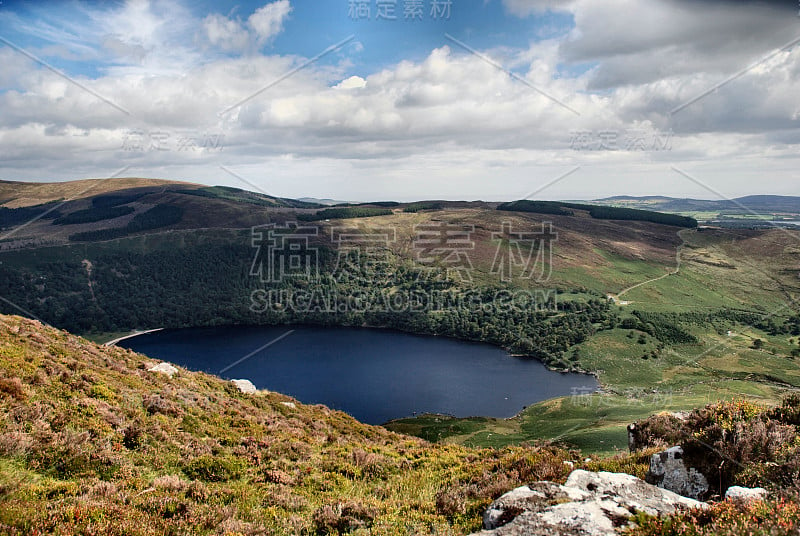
{"type": "Point", "coordinates": [407, 99]}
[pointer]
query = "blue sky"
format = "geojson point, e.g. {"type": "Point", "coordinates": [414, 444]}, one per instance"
{"type": "Point", "coordinates": [550, 98]}
{"type": "Point", "coordinates": [312, 26]}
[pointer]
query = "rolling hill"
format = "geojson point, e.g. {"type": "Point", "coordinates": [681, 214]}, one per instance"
{"type": "Point", "coordinates": [746, 204]}
{"type": "Point", "coordinates": [665, 315]}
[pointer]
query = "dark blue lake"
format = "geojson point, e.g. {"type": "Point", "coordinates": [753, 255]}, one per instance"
{"type": "Point", "coordinates": [374, 375]}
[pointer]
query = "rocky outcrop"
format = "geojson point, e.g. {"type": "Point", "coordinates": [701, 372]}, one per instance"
{"type": "Point", "coordinates": [668, 471]}
{"type": "Point", "coordinates": [738, 493]}
{"type": "Point", "coordinates": [245, 386]}
{"type": "Point", "coordinates": [588, 504]}
{"type": "Point", "coordinates": [164, 368]}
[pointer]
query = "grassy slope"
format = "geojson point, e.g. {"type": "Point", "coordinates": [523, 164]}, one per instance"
{"type": "Point", "coordinates": [20, 194]}
{"type": "Point", "coordinates": [93, 443]}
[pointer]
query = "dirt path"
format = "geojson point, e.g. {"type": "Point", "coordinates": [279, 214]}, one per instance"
{"type": "Point", "coordinates": [616, 297]}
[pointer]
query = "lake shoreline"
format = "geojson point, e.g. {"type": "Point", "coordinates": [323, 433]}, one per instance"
{"type": "Point", "coordinates": [114, 342]}
{"type": "Point", "coordinates": [508, 351]}
{"type": "Point", "coordinates": [410, 357]}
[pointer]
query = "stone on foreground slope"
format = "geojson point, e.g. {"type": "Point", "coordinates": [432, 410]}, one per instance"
{"type": "Point", "coordinates": [588, 504]}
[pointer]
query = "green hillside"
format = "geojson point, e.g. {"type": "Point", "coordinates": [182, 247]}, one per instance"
{"type": "Point", "coordinates": [666, 317]}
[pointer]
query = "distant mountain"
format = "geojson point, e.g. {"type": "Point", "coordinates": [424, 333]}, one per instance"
{"type": "Point", "coordinates": [750, 203]}
{"type": "Point", "coordinates": [324, 201]}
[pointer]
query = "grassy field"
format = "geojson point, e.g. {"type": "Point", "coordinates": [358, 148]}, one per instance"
{"type": "Point", "coordinates": [754, 271]}
{"type": "Point", "coordinates": [20, 194]}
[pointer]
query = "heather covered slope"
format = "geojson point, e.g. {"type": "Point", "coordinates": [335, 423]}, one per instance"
{"type": "Point", "coordinates": [93, 443]}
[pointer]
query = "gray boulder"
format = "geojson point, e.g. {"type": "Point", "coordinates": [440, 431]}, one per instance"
{"type": "Point", "coordinates": [668, 471]}
{"type": "Point", "coordinates": [588, 504]}
{"type": "Point", "coordinates": [739, 493]}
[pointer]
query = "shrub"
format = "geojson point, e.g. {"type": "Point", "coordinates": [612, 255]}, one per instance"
{"type": "Point", "coordinates": [101, 392]}
{"type": "Point", "coordinates": [342, 518]}
{"type": "Point", "coordinates": [103, 489]}
{"type": "Point", "coordinates": [451, 501]}
{"type": "Point", "coordinates": [215, 468]}
{"type": "Point", "coordinates": [170, 483]}
{"type": "Point", "coordinates": [12, 387]}
{"type": "Point", "coordinates": [158, 404]}
{"type": "Point", "coordinates": [788, 412]}
{"type": "Point", "coordinates": [735, 442]}
{"type": "Point", "coordinates": [132, 437]}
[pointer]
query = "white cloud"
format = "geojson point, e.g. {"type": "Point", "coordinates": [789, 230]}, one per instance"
{"type": "Point", "coordinates": [354, 82]}
{"type": "Point", "coordinates": [267, 21]}
{"type": "Point", "coordinates": [450, 125]}
{"type": "Point", "coordinates": [523, 8]}
{"type": "Point", "coordinates": [233, 35]}
{"type": "Point", "coordinates": [225, 33]}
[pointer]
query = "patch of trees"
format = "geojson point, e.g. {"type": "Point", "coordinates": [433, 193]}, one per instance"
{"type": "Point", "coordinates": [10, 217]}
{"type": "Point", "coordinates": [384, 204]}
{"type": "Point", "coordinates": [618, 213]}
{"type": "Point", "coordinates": [210, 284]}
{"type": "Point", "coordinates": [538, 207]}
{"type": "Point", "coordinates": [723, 319]}
{"type": "Point", "coordinates": [424, 205]}
{"type": "Point", "coordinates": [600, 212]}
{"type": "Point", "coordinates": [114, 200]}
{"type": "Point", "coordinates": [344, 212]}
{"type": "Point", "coordinates": [93, 214]}
{"type": "Point", "coordinates": [243, 196]}
{"type": "Point", "coordinates": [663, 326]}
{"type": "Point", "coordinates": [157, 217]}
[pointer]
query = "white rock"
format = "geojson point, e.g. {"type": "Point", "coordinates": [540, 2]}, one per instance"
{"type": "Point", "coordinates": [493, 515]}
{"type": "Point", "coordinates": [631, 490]}
{"type": "Point", "coordinates": [589, 504]}
{"type": "Point", "coordinates": [745, 494]}
{"type": "Point", "coordinates": [164, 368]}
{"type": "Point", "coordinates": [587, 517]}
{"type": "Point", "coordinates": [289, 404]}
{"type": "Point", "coordinates": [245, 386]}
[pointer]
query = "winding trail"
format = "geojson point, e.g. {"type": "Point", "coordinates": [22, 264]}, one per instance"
{"type": "Point", "coordinates": [616, 297]}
